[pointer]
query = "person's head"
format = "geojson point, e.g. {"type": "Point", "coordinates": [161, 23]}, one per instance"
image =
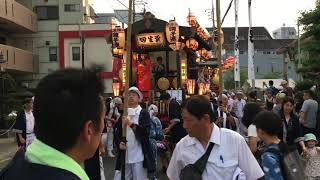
{"type": "Point", "coordinates": [69, 112]}
{"type": "Point", "coordinates": [155, 111]}
{"type": "Point", "coordinates": [307, 94]}
{"type": "Point", "coordinates": [239, 95]}
{"type": "Point", "coordinates": [269, 93]}
{"type": "Point", "coordinates": [135, 97]}
{"type": "Point", "coordinates": [250, 110]}
{"type": "Point", "coordinates": [159, 60]}
{"type": "Point", "coordinates": [117, 102]}
{"type": "Point", "coordinates": [280, 97]}
{"type": "Point", "coordinates": [233, 95]}
{"type": "Point", "coordinates": [197, 115]}
{"type": "Point", "coordinates": [268, 125]}
{"type": "Point", "coordinates": [223, 100]}
{"type": "Point", "coordinates": [287, 105]}
{"type": "Point", "coordinates": [253, 95]}
{"type": "Point", "coordinates": [284, 83]}
{"type": "Point", "coordinates": [28, 104]}
{"type": "Point", "coordinates": [270, 83]}
{"type": "Point", "coordinates": [165, 97]}
{"type": "Point", "coordinates": [208, 94]}
{"type": "Point", "coordinates": [310, 140]}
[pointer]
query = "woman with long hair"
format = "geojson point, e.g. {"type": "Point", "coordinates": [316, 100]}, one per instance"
{"type": "Point", "coordinates": [291, 133]}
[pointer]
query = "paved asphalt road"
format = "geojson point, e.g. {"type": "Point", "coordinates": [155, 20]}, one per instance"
{"type": "Point", "coordinates": [109, 164]}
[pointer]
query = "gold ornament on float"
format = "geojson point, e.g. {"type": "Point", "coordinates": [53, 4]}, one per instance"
{"type": "Point", "coordinates": [215, 80]}
{"type": "Point", "coordinates": [163, 83]}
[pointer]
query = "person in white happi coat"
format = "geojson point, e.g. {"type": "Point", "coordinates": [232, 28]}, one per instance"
{"type": "Point", "coordinates": [230, 157]}
{"type": "Point", "coordinates": [139, 160]}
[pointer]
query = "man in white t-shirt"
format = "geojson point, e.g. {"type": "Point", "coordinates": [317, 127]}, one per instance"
{"type": "Point", "coordinates": [230, 157]}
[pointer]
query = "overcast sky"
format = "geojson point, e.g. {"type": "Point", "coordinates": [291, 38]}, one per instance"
{"type": "Point", "coordinates": [271, 14]}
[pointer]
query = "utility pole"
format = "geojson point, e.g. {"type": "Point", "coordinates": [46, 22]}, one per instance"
{"type": "Point", "coordinates": [134, 10]}
{"type": "Point", "coordinates": [82, 51]}
{"type": "Point", "coordinates": [82, 41]}
{"type": "Point", "coordinates": [285, 64]}
{"type": "Point", "coordinates": [219, 48]}
{"type": "Point", "coordinates": [126, 92]}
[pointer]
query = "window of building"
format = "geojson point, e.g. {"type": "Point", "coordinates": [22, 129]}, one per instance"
{"type": "Point", "coordinates": [72, 7]}
{"type": "Point", "coordinates": [53, 53]}
{"type": "Point", "coordinates": [76, 53]}
{"type": "Point", "coordinates": [47, 12]}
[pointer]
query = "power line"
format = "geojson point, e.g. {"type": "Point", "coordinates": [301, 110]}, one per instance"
{"type": "Point", "coordinates": [123, 4]}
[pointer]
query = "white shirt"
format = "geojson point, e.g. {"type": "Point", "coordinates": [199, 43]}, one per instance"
{"type": "Point", "coordinates": [238, 106]}
{"type": "Point", "coordinates": [152, 108]}
{"type": "Point", "coordinates": [224, 118]}
{"type": "Point", "coordinates": [252, 131]}
{"type": "Point", "coordinates": [134, 149]}
{"type": "Point", "coordinates": [115, 113]}
{"type": "Point", "coordinates": [229, 153]}
{"type": "Point", "coordinates": [29, 122]}
{"type": "Point", "coordinates": [230, 104]}
{"type": "Point", "coordinates": [29, 127]}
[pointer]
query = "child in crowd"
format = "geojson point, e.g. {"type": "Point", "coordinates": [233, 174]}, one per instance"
{"type": "Point", "coordinates": [268, 126]}
{"type": "Point", "coordinates": [313, 157]}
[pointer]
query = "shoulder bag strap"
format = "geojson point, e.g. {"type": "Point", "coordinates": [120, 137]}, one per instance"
{"type": "Point", "coordinates": [200, 164]}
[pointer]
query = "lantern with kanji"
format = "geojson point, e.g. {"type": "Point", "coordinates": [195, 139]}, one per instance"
{"type": "Point", "coordinates": [177, 46]}
{"type": "Point", "coordinates": [202, 88]}
{"type": "Point", "coordinates": [207, 85]}
{"type": "Point", "coordinates": [118, 40]}
{"type": "Point", "coordinates": [192, 44]}
{"type": "Point", "coordinates": [122, 74]}
{"type": "Point", "coordinates": [116, 89]}
{"type": "Point", "coordinates": [172, 32]}
{"type": "Point", "coordinates": [191, 83]}
{"type": "Point", "coordinates": [183, 70]}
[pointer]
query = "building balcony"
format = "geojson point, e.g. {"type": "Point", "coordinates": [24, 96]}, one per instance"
{"type": "Point", "coordinates": [16, 18]}
{"type": "Point", "coordinates": [18, 60]}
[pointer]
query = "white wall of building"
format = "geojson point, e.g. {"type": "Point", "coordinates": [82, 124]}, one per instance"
{"type": "Point", "coordinates": [97, 52]}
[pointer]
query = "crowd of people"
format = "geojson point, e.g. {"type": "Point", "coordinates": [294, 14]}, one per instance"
{"type": "Point", "coordinates": [229, 136]}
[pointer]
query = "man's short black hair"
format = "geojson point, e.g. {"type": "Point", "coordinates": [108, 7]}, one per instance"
{"type": "Point", "coordinates": [269, 122]}
{"type": "Point", "coordinates": [253, 94]}
{"type": "Point", "coordinates": [165, 96]}
{"type": "Point", "coordinates": [64, 101]}
{"type": "Point", "coordinates": [309, 92]}
{"type": "Point", "coordinates": [198, 106]}
{"type": "Point", "coordinates": [271, 82]}
{"type": "Point", "coordinates": [27, 100]}
{"type": "Point", "coordinates": [250, 110]}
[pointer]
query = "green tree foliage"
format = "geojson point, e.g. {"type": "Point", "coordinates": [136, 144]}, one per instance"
{"type": "Point", "coordinates": [228, 78]}
{"type": "Point", "coordinates": [310, 46]}
{"type": "Point", "coordinates": [273, 75]}
{"type": "Point", "coordinates": [310, 39]}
